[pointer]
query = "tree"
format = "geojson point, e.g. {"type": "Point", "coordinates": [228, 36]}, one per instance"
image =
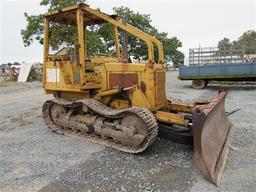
{"type": "Point", "coordinates": [100, 37]}
{"type": "Point", "coordinates": [224, 44]}
{"type": "Point", "coordinates": [178, 58]}
{"type": "Point", "coordinates": [138, 48]}
{"type": "Point", "coordinates": [246, 42]}
{"type": "Point", "coordinates": [59, 34]}
{"type": "Point", "coordinates": [170, 48]}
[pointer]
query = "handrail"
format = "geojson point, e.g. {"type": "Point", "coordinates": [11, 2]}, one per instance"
{"type": "Point", "coordinates": [156, 41]}
{"type": "Point", "coordinates": [148, 39]}
{"type": "Point", "coordinates": [134, 31]}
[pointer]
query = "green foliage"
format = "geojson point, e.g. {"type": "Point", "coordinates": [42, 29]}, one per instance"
{"type": "Point", "coordinates": [170, 48]}
{"type": "Point", "coordinates": [58, 34]}
{"type": "Point", "coordinates": [59, 4]}
{"type": "Point", "coordinates": [96, 44]}
{"type": "Point", "coordinates": [224, 44]}
{"type": "Point", "coordinates": [246, 42]}
{"type": "Point", "coordinates": [34, 29]}
{"type": "Point", "coordinates": [178, 58]}
{"type": "Point", "coordinates": [100, 37]}
{"type": "Point", "coordinates": [138, 48]}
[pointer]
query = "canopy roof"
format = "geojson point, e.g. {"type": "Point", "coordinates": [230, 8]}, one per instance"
{"type": "Point", "coordinates": [68, 16]}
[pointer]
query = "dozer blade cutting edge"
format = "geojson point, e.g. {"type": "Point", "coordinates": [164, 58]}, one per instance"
{"type": "Point", "coordinates": [212, 133]}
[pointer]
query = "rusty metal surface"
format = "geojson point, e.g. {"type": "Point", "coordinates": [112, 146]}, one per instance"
{"type": "Point", "coordinates": [160, 86]}
{"type": "Point", "coordinates": [123, 80]}
{"type": "Point", "coordinates": [143, 86]}
{"type": "Point", "coordinates": [137, 123]}
{"type": "Point", "coordinates": [124, 42]}
{"type": "Point", "coordinates": [211, 131]}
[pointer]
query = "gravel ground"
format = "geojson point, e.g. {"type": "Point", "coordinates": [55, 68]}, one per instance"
{"type": "Point", "coordinates": [32, 158]}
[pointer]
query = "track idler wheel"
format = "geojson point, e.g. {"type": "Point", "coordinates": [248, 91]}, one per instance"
{"type": "Point", "coordinates": [57, 112]}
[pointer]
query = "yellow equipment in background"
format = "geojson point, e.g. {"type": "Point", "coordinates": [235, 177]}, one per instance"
{"type": "Point", "coordinates": [123, 105]}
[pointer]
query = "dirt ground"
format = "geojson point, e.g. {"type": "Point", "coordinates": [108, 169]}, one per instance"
{"type": "Point", "coordinates": [32, 158]}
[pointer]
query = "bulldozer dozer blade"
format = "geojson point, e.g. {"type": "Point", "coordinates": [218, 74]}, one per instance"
{"type": "Point", "coordinates": [211, 137]}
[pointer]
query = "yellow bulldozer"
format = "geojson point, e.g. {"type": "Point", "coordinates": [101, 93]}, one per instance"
{"type": "Point", "coordinates": [123, 105]}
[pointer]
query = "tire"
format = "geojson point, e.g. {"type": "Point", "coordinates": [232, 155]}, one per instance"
{"type": "Point", "coordinates": [199, 84]}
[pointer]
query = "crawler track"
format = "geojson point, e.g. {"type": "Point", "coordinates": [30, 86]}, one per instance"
{"type": "Point", "coordinates": [102, 110]}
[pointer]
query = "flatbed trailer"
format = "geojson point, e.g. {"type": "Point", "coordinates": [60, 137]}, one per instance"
{"type": "Point", "coordinates": [202, 75]}
{"type": "Point", "coordinates": [218, 64]}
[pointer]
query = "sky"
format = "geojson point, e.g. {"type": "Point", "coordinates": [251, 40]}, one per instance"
{"type": "Point", "coordinates": [194, 22]}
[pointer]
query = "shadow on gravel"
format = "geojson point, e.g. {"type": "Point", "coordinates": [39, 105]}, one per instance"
{"type": "Point", "coordinates": [165, 166]}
